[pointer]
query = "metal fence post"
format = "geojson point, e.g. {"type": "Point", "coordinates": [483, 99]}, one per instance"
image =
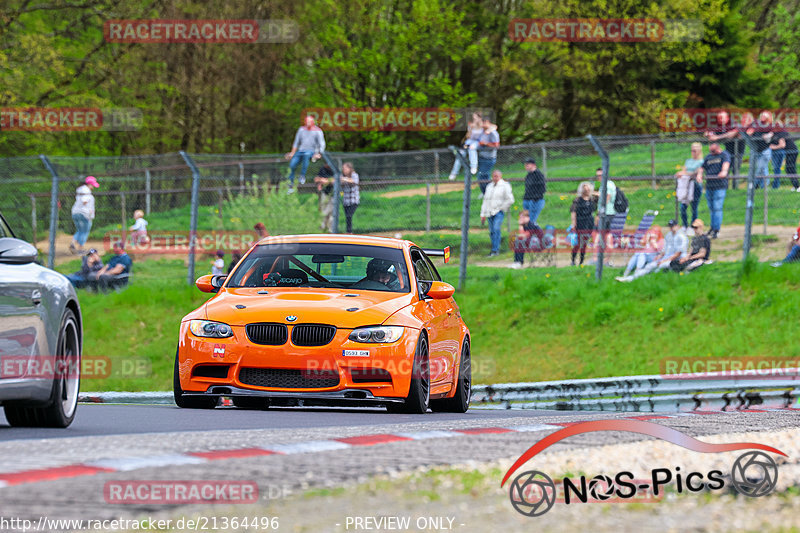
{"type": "Point", "coordinates": [748, 213]}
{"type": "Point", "coordinates": [193, 219]}
{"type": "Point", "coordinates": [544, 159]}
{"type": "Point", "coordinates": [337, 187]}
{"type": "Point", "coordinates": [462, 266]}
{"type": "Point", "coordinates": [653, 163]}
{"type": "Point", "coordinates": [601, 206]}
{"type": "Point", "coordinates": [436, 172]}
{"type": "Point", "coordinates": [147, 186]}
{"type": "Point", "coordinates": [33, 219]}
{"type": "Point", "coordinates": [427, 207]}
{"type": "Point", "coordinates": [241, 177]}
{"type": "Point", "coordinates": [51, 253]}
{"type": "Point", "coordinates": [124, 217]}
{"type": "Point", "coordinates": [766, 203]}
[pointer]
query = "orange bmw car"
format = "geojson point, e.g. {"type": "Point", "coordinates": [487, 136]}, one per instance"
{"type": "Point", "coordinates": [327, 319]}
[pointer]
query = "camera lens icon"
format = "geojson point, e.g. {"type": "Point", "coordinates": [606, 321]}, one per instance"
{"type": "Point", "coordinates": [754, 474]}
{"type": "Point", "coordinates": [532, 493]}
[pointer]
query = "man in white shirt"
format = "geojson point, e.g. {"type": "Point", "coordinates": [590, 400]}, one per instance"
{"type": "Point", "coordinates": [676, 245]}
{"type": "Point", "coordinates": [497, 199]}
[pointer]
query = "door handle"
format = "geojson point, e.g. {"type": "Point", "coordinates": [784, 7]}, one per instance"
{"type": "Point", "coordinates": [36, 296]}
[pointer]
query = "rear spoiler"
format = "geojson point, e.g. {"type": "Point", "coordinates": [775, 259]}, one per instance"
{"type": "Point", "coordinates": [438, 252]}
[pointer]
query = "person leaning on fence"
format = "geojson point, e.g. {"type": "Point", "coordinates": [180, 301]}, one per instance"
{"type": "Point", "coordinates": [471, 142]}
{"type": "Point", "coordinates": [730, 136]}
{"type": "Point", "coordinates": [794, 250]}
{"type": "Point", "coordinates": [783, 146]}
{"type": "Point", "coordinates": [535, 187]}
{"type": "Point", "coordinates": [651, 251]}
{"type": "Point", "coordinates": [689, 183]}
{"type": "Point", "coordinates": [582, 213]}
{"type": "Point", "coordinates": [698, 255]}
{"type": "Point", "coordinates": [324, 182]}
{"type": "Point", "coordinates": [91, 264]}
{"type": "Point", "coordinates": [83, 213]}
{"type": "Point", "coordinates": [497, 200]}
{"type": "Point", "coordinates": [762, 133]}
{"type": "Point", "coordinates": [715, 166]}
{"type": "Point", "coordinates": [675, 246]}
{"type": "Point", "coordinates": [308, 145]}
{"type": "Point", "coordinates": [351, 196]}
{"type": "Point", "coordinates": [487, 153]}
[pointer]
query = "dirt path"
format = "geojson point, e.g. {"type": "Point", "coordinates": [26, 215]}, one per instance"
{"type": "Point", "coordinates": [422, 191]}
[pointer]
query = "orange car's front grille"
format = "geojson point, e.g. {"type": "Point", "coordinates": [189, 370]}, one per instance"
{"type": "Point", "coordinates": [267, 333]}
{"type": "Point", "coordinates": [312, 334]}
{"type": "Point", "coordinates": [287, 378]}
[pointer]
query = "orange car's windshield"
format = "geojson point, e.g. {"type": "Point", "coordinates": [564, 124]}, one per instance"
{"type": "Point", "coordinates": [322, 265]}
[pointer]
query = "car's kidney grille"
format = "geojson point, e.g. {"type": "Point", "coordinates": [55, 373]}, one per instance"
{"type": "Point", "coordinates": [289, 378]}
{"type": "Point", "coordinates": [312, 334]}
{"type": "Point", "coordinates": [266, 333]}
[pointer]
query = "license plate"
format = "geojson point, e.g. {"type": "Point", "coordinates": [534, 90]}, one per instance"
{"type": "Point", "coordinates": [355, 353]}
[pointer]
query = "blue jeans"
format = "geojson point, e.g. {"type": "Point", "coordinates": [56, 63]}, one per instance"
{"type": "Point", "coordinates": [716, 200]}
{"type": "Point", "coordinates": [534, 207]}
{"type": "Point", "coordinates": [762, 166]}
{"type": "Point", "coordinates": [471, 151]}
{"type": "Point", "coordinates": [305, 157]}
{"type": "Point", "coordinates": [777, 162]}
{"type": "Point", "coordinates": [78, 280]}
{"type": "Point", "coordinates": [495, 223]}
{"type": "Point", "coordinates": [639, 260]}
{"type": "Point", "coordinates": [82, 227]}
{"type": "Point", "coordinates": [698, 193]}
{"type": "Point", "coordinates": [485, 166]}
{"type": "Point", "coordinates": [793, 255]}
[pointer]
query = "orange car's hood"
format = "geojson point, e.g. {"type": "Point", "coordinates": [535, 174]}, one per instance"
{"type": "Point", "coordinates": [321, 306]}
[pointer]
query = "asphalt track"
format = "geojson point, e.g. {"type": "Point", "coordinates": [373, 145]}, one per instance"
{"type": "Point", "coordinates": [99, 420]}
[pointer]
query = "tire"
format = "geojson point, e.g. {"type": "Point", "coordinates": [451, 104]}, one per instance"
{"type": "Point", "coordinates": [189, 402]}
{"type": "Point", "coordinates": [419, 392]}
{"type": "Point", "coordinates": [459, 403]}
{"type": "Point", "coordinates": [59, 411]}
{"type": "Point", "coordinates": [247, 402]}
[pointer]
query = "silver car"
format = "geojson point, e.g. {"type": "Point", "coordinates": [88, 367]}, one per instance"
{"type": "Point", "coordinates": [40, 338]}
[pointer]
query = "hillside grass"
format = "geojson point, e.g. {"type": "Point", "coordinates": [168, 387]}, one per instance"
{"type": "Point", "coordinates": [528, 325]}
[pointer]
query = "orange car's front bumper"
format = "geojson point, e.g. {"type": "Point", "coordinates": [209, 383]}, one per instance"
{"type": "Point", "coordinates": [207, 365]}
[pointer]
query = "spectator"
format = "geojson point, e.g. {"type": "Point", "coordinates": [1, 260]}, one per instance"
{"type": "Point", "coordinates": [794, 250]}
{"type": "Point", "coordinates": [762, 138]}
{"type": "Point", "coordinates": [139, 228]}
{"type": "Point", "coordinates": [350, 194]}
{"type": "Point", "coordinates": [689, 185]}
{"type": "Point", "coordinates": [582, 213]}
{"type": "Point", "coordinates": [525, 233]}
{"type": "Point", "coordinates": [261, 230]}
{"type": "Point", "coordinates": [487, 153]}
{"type": "Point", "coordinates": [610, 210]}
{"type": "Point", "coordinates": [218, 264]}
{"type": "Point", "coordinates": [91, 264]}
{"type": "Point", "coordinates": [83, 213]}
{"type": "Point", "coordinates": [652, 250]}
{"type": "Point", "coordinates": [698, 256]}
{"type": "Point", "coordinates": [309, 143]}
{"type": "Point", "coordinates": [498, 199]}
{"type": "Point", "coordinates": [471, 143]}
{"type": "Point", "coordinates": [675, 244]}
{"type": "Point", "coordinates": [236, 256]}
{"type": "Point", "coordinates": [535, 187]}
{"type": "Point", "coordinates": [715, 165]}
{"type": "Point", "coordinates": [324, 182]}
{"type": "Point", "coordinates": [784, 146]}
{"type": "Point", "coordinates": [111, 275]}
{"type": "Point", "coordinates": [730, 136]}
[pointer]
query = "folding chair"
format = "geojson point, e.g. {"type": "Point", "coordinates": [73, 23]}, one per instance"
{"type": "Point", "coordinates": [634, 240]}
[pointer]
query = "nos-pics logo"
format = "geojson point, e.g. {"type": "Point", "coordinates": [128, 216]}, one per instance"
{"type": "Point", "coordinates": [533, 493]}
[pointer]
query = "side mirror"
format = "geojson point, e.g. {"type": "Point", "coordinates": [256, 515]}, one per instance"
{"type": "Point", "coordinates": [440, 290]}
{"type": "Point", "coordinates": [17, 252]}
{"type": "Point", "coordinates": [210, 283]}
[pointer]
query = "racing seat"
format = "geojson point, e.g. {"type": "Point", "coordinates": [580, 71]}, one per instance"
{"type": "Point", "coordinates": [289, 277]}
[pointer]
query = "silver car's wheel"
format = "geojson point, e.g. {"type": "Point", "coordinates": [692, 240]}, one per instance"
{"type": "Point", "coordinates": [60, 409]}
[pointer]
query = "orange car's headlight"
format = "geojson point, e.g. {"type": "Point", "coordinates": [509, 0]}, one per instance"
{"type": "Point", "coordinates": [374, 334]}
{"type": "Point", "coordinates": [207, 328]}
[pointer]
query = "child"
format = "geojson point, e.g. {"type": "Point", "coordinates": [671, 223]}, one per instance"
{"type": "Point", "coordinates": [529, 238]}
{"type": "Point", "coordinates": [139, 228]}
{"type": "Point", "coordinates": [218, 265]}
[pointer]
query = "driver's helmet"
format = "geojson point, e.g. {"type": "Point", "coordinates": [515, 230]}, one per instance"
{"type": "Point", "coordinates": [377, 266]}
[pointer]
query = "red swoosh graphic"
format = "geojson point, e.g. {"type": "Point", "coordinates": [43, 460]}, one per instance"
{"type": "Point", "coordinates": [635, 426]}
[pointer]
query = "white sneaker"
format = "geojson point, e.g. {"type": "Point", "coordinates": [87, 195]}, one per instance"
{"type": "Point", "coordinates": [480, 196]}
{"type": "Point", "coordinates": [776, 264]}
{"type": "Point", "coordinates": [302, 180]}
{"type": "Point", "coordinates": [452, 177]}
{"type": "Point", "coordinates": [290, 190]}
{"type": "Point", "coordinates": [516, 265]}
{"type": "Point", "coordinates": [474, 171]}
{"type": "Point", "coordinates": [797, 189]}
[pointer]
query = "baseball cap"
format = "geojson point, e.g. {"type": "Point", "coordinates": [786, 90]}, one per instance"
{"type": "Point", "coordinates": [530, 160]}
{"type": "Point", "coordinates": [91, 181]}
{"type": "Point", "coordinates": [697, 222]}
{"type": "Point", "coordinates": [91, 251]}
{"type": "Point", "coordinates": [672, 222]}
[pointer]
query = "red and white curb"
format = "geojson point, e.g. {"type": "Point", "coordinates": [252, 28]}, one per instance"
{"type": "Point", "coordinates": [127, 464]}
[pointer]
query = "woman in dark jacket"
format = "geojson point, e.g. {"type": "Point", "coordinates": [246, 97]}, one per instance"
{"type": "Point", "coordinates": [582, 212]}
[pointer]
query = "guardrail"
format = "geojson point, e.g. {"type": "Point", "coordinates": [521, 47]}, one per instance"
{"type": "Point", "coordinates": [679, 392]}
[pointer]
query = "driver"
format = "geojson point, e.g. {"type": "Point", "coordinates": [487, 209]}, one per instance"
{"type": "Point", "coordinates": [383, 272]}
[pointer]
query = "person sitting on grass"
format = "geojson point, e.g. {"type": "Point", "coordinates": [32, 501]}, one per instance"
{"type": "Point", "coordinates": [108, 277]}
{"type": "Point", "coordinates": [794, 250]}
{"type": "Point", "coordinates": [675, 246]}
{"type": "Point", "coordinates": [91, 264]}
{"type": "Point", "coordinates": [651, 251]}
{"type": "Point", "coordinates": [701, 249]}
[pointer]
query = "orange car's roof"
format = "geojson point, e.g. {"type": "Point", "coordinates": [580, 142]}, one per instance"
{"type": "Point", "coordinates": [337, 239]}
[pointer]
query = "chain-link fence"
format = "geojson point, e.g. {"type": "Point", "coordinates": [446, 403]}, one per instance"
{"type": "Point", "coordinates": [413, 194]}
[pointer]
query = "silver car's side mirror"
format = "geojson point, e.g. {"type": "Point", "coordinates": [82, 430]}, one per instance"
{"type": "Point", "coordinates": [17, 252]}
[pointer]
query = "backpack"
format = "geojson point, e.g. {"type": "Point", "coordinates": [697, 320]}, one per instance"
{"type": "Point", "coordinates": [620, 202]}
